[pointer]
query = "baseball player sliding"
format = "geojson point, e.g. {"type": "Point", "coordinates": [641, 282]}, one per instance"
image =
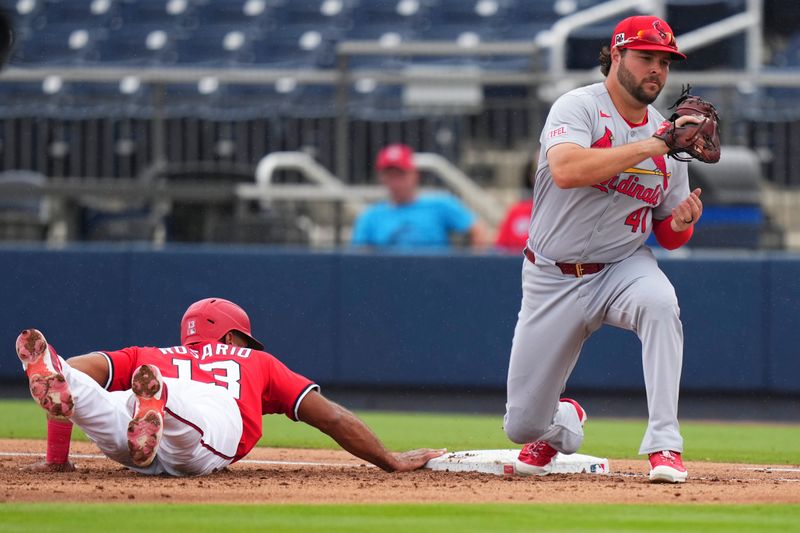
{"type": "Point", "coordinates": [604, 183]}
{"type": "Point", "coordinates": [190, 409]}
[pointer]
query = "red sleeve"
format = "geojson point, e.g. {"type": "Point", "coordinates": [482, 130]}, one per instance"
{"type": "Point", "coordinates": [669, 238]}
{"type": "Point", "coordinates": [284, 390]}
{"type": "Point", "coordinates": [121, 364]}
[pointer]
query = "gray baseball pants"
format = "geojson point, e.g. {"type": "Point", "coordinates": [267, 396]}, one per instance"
{"type": "Point", "coordinates": [558, 313]}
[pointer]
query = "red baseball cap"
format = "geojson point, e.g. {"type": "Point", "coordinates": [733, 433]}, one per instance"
{"type": "Point", "coordinates": [210, 319]}
{"type": "Point", "coordinates": [396, 156]}
{"type": "Point", "coordinates": [645, 33]}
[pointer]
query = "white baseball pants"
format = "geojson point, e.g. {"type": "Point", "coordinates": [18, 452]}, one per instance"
{"type": "Point", "coordinates": [202, 424]}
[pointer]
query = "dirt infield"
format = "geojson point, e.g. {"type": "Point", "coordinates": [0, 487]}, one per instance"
{"type": "Point", "coordinates": [329, 476]}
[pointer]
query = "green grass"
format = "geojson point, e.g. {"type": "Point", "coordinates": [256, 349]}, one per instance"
{"type": "Point", "coordinates": [616, 439]}
{"type": "Point", "coordinates": [611, 438]}
{"type": "Point", "coordinates": [400, 518]}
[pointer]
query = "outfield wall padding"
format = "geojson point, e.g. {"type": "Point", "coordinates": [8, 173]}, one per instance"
{"type": "Point", "coordinates": [396, 319]}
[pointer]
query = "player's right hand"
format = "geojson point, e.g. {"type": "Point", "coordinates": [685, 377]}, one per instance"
{"type": "Point", "coordinates": [414, 459]}
{"type": "Point", "coordinates": [688, 119]}
{"type": "Point", "coordinates": [45, 467]}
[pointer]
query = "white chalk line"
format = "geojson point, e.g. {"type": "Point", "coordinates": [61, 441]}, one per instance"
{"type": "Point", "coordinates": [243, 461]}
{"type": "Point", "coordinates": [351, 465]}
{"type": "Point", "coordinates": [769, 469]}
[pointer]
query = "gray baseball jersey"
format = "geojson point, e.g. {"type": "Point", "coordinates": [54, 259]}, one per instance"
{"type": "Point", "coordinates": [605, 223]}
{"type": "Point", "coordinates": [611, 220]}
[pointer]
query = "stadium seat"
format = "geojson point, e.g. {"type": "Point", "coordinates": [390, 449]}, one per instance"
{"type": "Point", "coordinates": [298, 46]}
{"type": "Point", "coordinates": [465, 36]}
{"type": "Point", "coordinates": [91, 13]}
{"type": "Point", "coordinates": [139, 45]}
{"type": "Point", "coordinates": [128, 97]}
{"type": "Point", "coordinates": [236, 14]}
{"type": "Point", "coordinates": [117, 224]}
{"type": "Point", "coordinates": [284, 98]}
{"type": "Point", "coordinates": [732, 214]}
{"type": "Point", "coordinates": [311, 101]}
{"type": "Point", "coordinates": [781, 19]}
{"type": "Point", "coordinates": [524, 19]}
{"type": "Point", "coordinates": [22, 218]}
{"type": "Point", "coordinates": [332, 14]}
{"type": "Point", "coordinates": [380, 102]}
{"type": "Point", "coordinates": [24, 12]}
{"type": "Point", "coordinates": [388, 35]}
{"type": "Point", "coordinates": [214, 45]}
{"type": "Point", "coordinates": [32, 98]}
{"type": "Point", "coordinates": [401, 16]}
{"type": "Point", "coordinates": [584, 45]}
{"type": "Point", "coordinates": [789, 55]}
{"type": "Point", "coordinates": [57, 44]}
{"type": "Point", "coordinates": [687, 15]}
{"type": "Point", "coordinates": [154, 12]}
{"type": "Point", "coordinates": [186, 99]}
{"type": "Point", "coordinates": [469, 14]}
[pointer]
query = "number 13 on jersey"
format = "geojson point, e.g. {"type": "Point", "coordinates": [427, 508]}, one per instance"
{"type": "Point", "coordinates": [226, 373]}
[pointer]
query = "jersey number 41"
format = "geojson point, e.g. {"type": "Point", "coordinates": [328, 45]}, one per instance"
{"type": "Point", "coordinates": [638, 219]}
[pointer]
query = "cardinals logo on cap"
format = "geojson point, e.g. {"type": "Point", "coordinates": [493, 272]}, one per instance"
{"type": "Point", "coordinates": [663, 34]}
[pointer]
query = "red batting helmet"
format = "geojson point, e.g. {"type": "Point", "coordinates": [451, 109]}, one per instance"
{"type": "Point", "coordinates": [210, 319]}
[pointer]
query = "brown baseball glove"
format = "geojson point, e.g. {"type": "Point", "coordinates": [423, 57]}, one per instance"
{"type": "Point", "coordinates": [700, 140]}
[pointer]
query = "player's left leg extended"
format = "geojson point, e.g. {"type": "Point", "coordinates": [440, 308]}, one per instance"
{"type": "Point", "coordinates": [642, 299]}
{"type": "Point", "coordinates": [45, 379]}
{"type": "Point", "coordinates": [202, 429]}
{"type": "Point", "coordinates": [61, 389]}
{"type": "Point", "coordinates": [551, 329]}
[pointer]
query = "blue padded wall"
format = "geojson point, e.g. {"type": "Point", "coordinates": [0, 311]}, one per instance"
{"type": "Point", "coordinates": [395, 320]}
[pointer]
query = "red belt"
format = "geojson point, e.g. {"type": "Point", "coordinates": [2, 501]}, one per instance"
{"type": "Point", "coordinates": [571, 269]}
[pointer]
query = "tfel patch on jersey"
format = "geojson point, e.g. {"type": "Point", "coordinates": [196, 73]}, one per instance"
{"type": "Point", "coordinates": [557, 132]}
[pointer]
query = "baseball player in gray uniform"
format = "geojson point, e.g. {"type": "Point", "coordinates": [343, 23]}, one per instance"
{"type": "Point", "coordinates": [603, 184]}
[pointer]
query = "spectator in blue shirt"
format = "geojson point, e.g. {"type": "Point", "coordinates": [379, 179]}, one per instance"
{"type": "Point", "coordinates": [410, 219]}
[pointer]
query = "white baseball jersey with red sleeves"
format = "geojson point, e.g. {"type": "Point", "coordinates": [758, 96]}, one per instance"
{"type": "Point", "coordinates": [259, 382]}
{"type": "Point", "coordinates": [607, 222]}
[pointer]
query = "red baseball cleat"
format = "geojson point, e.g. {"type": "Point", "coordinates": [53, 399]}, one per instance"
{"type": "Point", "coordinates": [668, 467]}
{"type": "Point", "coordinates": [43, 368]}
{"type": "Point", "coordinates": [536, 458]}
{"type": "Point", "coordinates": [147, 425]}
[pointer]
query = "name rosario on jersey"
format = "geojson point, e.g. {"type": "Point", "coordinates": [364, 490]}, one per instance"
{"type": "Point", "coordinates": [209, 351]}
{"type": "Point", "coordinates": [631, 187]}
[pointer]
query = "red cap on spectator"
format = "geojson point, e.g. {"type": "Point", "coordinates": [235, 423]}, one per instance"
{"type": "Point", "coordinates": [396, 156]}
{"type": "Point", "coordinates": [645, 33]}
